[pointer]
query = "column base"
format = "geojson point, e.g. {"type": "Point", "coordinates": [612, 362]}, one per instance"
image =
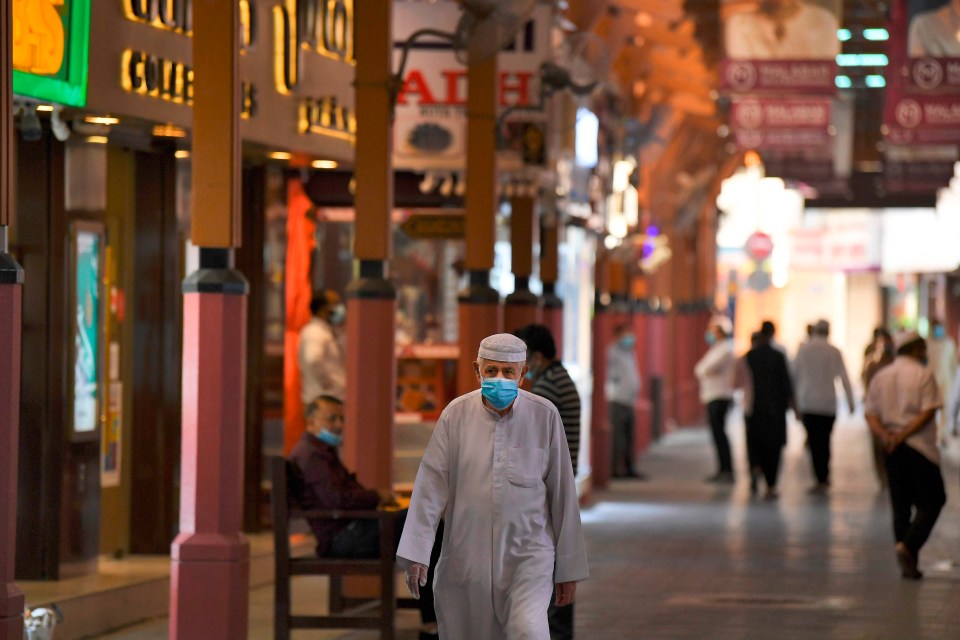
{"type": "Point", "coordinates": [520, 308]}
{"type": "Point", "coordinates": [209, 583]}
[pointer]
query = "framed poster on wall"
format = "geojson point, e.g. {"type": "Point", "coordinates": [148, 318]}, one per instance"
{"type": "Point", "coordinates": [86, 248]}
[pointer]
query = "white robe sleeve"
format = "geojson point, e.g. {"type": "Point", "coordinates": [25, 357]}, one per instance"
{"type": "Point", "coordinates": [431, 489]}
{"type": "Point", "coordinates": [571, 553]}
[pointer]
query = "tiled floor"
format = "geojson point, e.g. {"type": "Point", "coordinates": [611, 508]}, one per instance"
{"type": "Point", "coordinates": [676, 558]}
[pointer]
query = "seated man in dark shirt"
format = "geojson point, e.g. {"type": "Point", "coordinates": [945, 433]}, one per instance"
{"type": "Point", "coordinates": [328, 485]}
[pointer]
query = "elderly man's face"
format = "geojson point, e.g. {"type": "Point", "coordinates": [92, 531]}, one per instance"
{"type": "Point", "coordinates": [329, 416]}
{"type": "Point", "coordinates": [497, 369]}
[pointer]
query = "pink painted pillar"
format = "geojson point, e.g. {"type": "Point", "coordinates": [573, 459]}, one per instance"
{"type": "Point", "coordinates": [11, 291]}
{"type": "Point", "coordinates": [642, 433]}
{"type": "Point", "coordinates": [210, 558]}
{"type": "Point", "coordinates": [657, 382]}
{"type": "Point", "coordinates": [479, 316]}
{"type": "Point", "coordinates": [686, 404]}
{"type": "Point", "coordinates": [601, 440]}
{"type": "Point", "coordinates": [371, 331]}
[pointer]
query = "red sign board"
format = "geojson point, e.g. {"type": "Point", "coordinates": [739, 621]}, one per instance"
{"type": "Point", "coordinates": [759, 246]}
{"type": "Point", "coordinates": [779, 76]}
{"type": "Point", "coordinates": [780, 113]}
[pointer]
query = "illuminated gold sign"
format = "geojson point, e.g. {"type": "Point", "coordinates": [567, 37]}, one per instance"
{"type": "Point", "coordinates": [321, 26]}
{"type": "Point", "coordinates": [38, 36]}
{"type": "Point", "coordinates": [325, 116]}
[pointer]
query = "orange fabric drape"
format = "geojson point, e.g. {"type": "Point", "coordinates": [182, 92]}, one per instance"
{"type": "Point", "coordinates": [301, 241]}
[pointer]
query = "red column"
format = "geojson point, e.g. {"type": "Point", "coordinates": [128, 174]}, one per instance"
{"type": "Point", "coordinates": [642, 433]}
{"type": "Point", "coordinates": [210, 566]}
{"type": "Point", "coordinates": [658, 383]}
{"type": "Point", "coordinates": [11, 288]}
{"type": "Point", "coordinates": [480, 316]}
{"type": "Point", "coordinates": [371, 330]}
{"type": "Point", "coordinates": [601, 440]}
{"type": "Point", "coordinates": [687, 340]}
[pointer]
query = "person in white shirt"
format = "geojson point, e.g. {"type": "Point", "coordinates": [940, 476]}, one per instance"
{"type": "Point", "coordinates": [782, 29]}
{"type": "Point", "coordinates": [497, 470]}
{"type": "Point", "coordinates": [323, 368]}
{"type": "Point", "coordinates": [900, 407]}
{"type": "Point", "coordinates": [622, 387]}
{"type": "Point", "coordinates": [817, 367]}
{"type": "Point", "coordinates": [715, 372]}
{"type": "Point", "coordinates": [936, 33]}
{"type": "Point", "coordinates": [942, 360]}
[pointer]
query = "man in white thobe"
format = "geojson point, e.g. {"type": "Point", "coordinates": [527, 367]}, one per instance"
{"type": "Point", "coordinates": [497, 471]}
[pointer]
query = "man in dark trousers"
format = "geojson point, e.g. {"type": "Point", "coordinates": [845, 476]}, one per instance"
{"type": "Point", "coordinates": [329, 485]}
{"type": "Point", "coordinates": [900, 408]}
{"type": "Point", "coordinates": [550, 380]}
{"type": "Point", "coordinates": [772, 395]}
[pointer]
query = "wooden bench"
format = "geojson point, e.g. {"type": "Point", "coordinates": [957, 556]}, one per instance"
{"type": "Point", "coordinates": [287, 486]}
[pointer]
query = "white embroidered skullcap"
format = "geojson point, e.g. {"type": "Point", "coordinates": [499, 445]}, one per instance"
{"type": "Point", "coordinates": [904, 338]}
{"type": "Point", "coordinates": [503, 347]}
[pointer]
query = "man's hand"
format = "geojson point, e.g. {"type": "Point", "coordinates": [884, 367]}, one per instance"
{"type": "Point", "coordinates": [387, 498]}
{"type": "Point", "coordinates": [565, 593]}
{"type": "Point", "coordinates": [892, 441]}
{"type": "Point", "coordinates": [416, 577]}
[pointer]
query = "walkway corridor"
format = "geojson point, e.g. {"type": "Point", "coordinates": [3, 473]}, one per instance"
{"type": "Point", "coordinates": [676, 558]}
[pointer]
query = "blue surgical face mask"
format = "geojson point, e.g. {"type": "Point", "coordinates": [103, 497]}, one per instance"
{"type": "Point", "coordinates": [338, 315]}
{"type": "Point", "coordinates": [330, 438]}
{"type": "Point", "coordinates": [710, 337]}
{"type": "Point", "coordinates": [628, 340]}
{"type": "Point", "coordinates": [939, 332]}
{"type": "Point", "coordinates": [499, 392]}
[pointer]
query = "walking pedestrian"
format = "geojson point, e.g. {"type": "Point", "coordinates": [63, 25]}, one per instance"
{"type": "Point", "coordinates": [715, 373]}
{"type": "Point", "coordinates": [900, 409]}
{"type": "Point", "coordinates": [622, 387]}
{"type": "Point", "coordinates": [817, 367]}
{"type": "Point", "coordinates": [877, 355]}
{"type": "Point", "coordinates": [771, 391]}
{"type": "Point", "coordinates": [551, 380]}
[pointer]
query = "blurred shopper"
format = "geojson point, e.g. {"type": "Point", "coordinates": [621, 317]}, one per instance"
{"type": "Point", "coordinates": [877, 355]}
{"type": "Point", "coordinates": [622, 388]}
{"type": "Point", "coordinates": [497, 470]}
{"type": "Point", "coordinates": [900, 408]}
{"type": "Point", "coordinates": [953, 405]}
{"type": "Point", "coordinates": [323, 369]}
{"type": "Point", "coordinates": [772, 394]}
{"type": "Point", "coordinates": [816, 368]}
{"type": "Point", "coordinates": [942, 357]}
{"type": "Point", "coordinates": [715, 373]}
{"type": "Point", "coordinates": [769, 331]}
{"type": "Point", "coordinates": [550, 380]}
{"type": "Point", "coordinates": [743, 380]}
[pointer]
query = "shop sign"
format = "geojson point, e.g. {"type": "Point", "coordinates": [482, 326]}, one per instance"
{"type": "Point", "coordinates": [430, 125]}
{"type": "Point", "coordinates": [779, 113]}
{"type": "Point", "coordinates": [759, 246]}
{"type": "Point", "coordinates": [779, 76]}
{"type": "Point", "coordinates": [782, 139]}
{"type": "Point", "coordinates": [923, 86]}
{"type": "Point", "coordinates": [843, 242]}
{"type": "Point", "coordinates": [435, 226]}
{"type": "Point", "coordinates": [50, 50]}
{"type": "Point", "coordinates": [296, 69]}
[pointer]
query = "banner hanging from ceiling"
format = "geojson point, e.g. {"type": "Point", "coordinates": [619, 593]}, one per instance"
{"type": "Point", "coordinates": [923, 78]}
